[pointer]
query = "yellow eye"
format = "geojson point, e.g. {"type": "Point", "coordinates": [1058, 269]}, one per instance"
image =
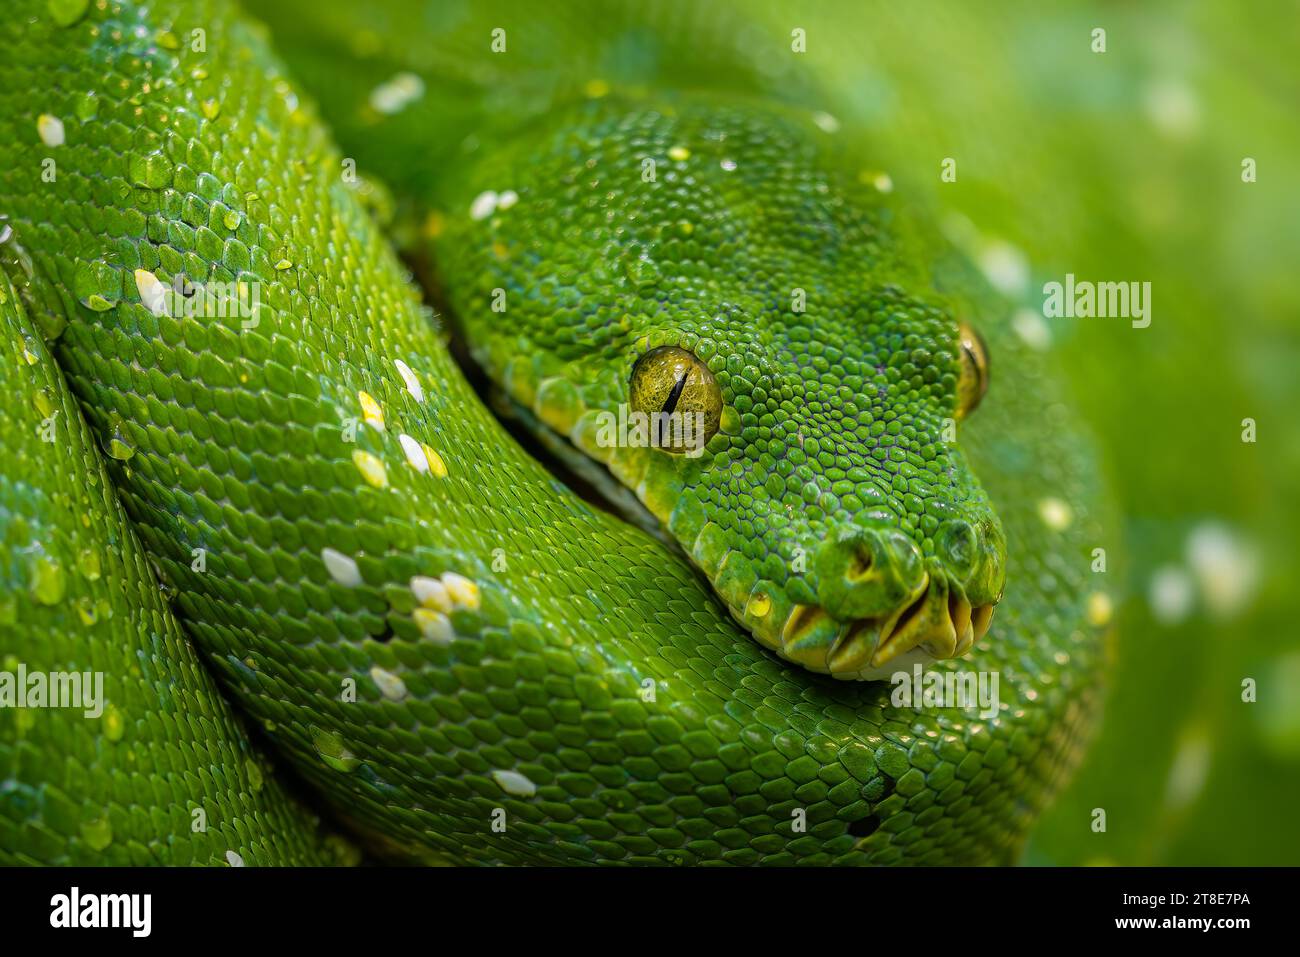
{"type": "Point", "coordinates": [679, 395]}
{"type": "Point", "coordinates": [973, 381]}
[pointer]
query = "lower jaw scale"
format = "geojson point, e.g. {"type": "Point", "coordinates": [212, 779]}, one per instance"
{"type": "Point", "coordinates": [808, 638]}
{"type": "Point", "coordinates": [871, 648]}
{"type": "Point", "coordinates": [816, 641]}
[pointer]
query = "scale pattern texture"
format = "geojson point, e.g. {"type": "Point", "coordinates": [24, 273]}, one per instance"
{"type": "Point", "coordinates": [463, 657]}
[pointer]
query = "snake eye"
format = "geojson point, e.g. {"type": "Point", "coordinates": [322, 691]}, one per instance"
{"type": "Point", "coordinates": [679, 395]}
{"type": "Point", "coordinates": [973, 381]}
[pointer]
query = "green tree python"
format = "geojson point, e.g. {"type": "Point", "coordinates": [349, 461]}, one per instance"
{"type": "Point", "coordinates": [245, 480]}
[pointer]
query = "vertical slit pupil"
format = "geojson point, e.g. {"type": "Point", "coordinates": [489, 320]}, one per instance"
{"type": "Point", "coordinates": [671, 403]}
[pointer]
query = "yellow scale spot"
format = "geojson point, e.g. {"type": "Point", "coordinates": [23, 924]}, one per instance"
{"type": "Point", "coordinates": [371, 411]}
{"type": "Point", "coordinates": [463, 592]}
{"type": "Point", "coordinates": [679, 154]}
{"type": "Point", "coordinates": [371, 468]}
{"type": "Point", "coordinates": [595, 89]}
{"type": "Point", "coordinates": [759, 605]}
{"type": "Point", "coordinates": [436, 465]}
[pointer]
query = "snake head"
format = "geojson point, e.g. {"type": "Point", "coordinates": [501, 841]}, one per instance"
{"type": "Point", "coordinates": [829, 509]}
{"type": "Point", "coordinates": [697, 297]}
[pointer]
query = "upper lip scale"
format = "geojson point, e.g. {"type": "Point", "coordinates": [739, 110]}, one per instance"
{"type": "Point", "coordinates": [965, 639]}
{"type": "Point", "coordinates": [887, 626]}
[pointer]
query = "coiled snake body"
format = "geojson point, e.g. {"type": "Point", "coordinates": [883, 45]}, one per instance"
{"type": "Point", "coordinates": [235, 444]}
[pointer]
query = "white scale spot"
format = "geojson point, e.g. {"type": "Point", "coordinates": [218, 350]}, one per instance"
{"type": "Point", "coordinates": [507, 199]}
{"type": "Point", "coordinates": [431, 593]}
{"type": "Point", "coordinates": [439, 597]}
{"type": "Point", "coordinates": [412, 383]}
{"type": "Point", "coordinates": [390, 686]}
{"type": "Point", "coordinates": [153, 293]}
{"type": "Point", "coordinates": [341, 568]}
{"type": "Point", "coordinates": [512, 782]}
{"type": "Point", "coordinates": [233, 859]}
{"type": "Point", "coordinates": [414, 453]}
{"type": "Point", "coordinates": [50, 129]}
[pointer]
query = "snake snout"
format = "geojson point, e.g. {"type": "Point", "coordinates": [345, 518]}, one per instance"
{"type": "Point", "coordinates": [939, 622]}
{"type": "Point", "coordinates": [882, 605]}
{"type": "Point", "coordinates": [868, 572]}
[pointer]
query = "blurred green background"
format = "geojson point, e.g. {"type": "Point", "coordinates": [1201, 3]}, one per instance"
{"type": "Point", "coordinates": [1122, 165]}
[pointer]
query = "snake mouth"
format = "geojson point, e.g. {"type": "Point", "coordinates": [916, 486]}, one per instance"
{"type": "Point", "coordinates": [937, 622]}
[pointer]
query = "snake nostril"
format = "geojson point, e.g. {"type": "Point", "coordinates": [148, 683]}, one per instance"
{"type": "Point", "coordinates": [867, 572]}
{"type": "Point", "coordinates": [861, 561]}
